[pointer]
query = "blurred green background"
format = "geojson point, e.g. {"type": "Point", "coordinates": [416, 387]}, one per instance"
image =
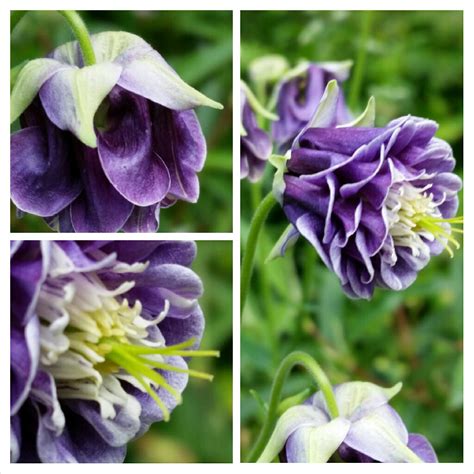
{"type": "Point", "coordinates": [200, 430]}
{"type": "Point", "coordinates": [413, 63]}
{"type": "Point", "coordinates": [198, 44]}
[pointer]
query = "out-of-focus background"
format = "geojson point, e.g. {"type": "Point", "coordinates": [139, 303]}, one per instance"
{"type": "Point", "coordinates": [413, 63]}
{"type": "Point", "coordinates": [200, 430]}
{"type": "Point", "coordinates": [198, 44]}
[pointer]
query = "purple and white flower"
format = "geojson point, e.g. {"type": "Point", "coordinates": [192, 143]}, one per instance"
{"type": "Point", "coordinates": [104, 147]}
{"type": "Point", "coordinates": [99, 335]}
{"type": "Point", "coordinates": [299, 94]}
{"type": "Point", "coordinates": [367, 429]}
{"type": "Point", "coordinates": [376, 203]}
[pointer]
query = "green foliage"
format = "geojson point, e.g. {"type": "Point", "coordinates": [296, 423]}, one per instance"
{"type": "Point", "coordinates": [413, 65]}
{"type": "Point", "coordinates": [200, 430]}
{"type": "Point", "coordinates": [198, 44]}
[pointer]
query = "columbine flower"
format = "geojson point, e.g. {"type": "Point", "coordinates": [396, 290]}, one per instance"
{"type": "Point", "coordinates": [255, 144]}
{"type": "Point", "coordinates": [367, 430]}
{"type": "Point", "coordinates": [376, 203]}
{"type": "Point", "coordinates": [104, 147]}
{"type": "Point", "coordinates": [299, 94]}
{"type": "Point", "coordinates": [98, 335]}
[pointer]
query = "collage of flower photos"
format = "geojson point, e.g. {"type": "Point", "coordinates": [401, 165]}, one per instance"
{"type": "Point", "coordinates": [164, 309]}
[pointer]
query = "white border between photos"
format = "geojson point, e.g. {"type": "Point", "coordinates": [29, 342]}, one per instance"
{"type": "Point", "coordinates": [236, 6]}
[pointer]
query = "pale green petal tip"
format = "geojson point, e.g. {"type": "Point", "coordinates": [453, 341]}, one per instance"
{"type": "Point", "coordinates": [255, 104]}
{"type": "Point", "coordinates": [285, 241]}
{"type": "Point", "coordinates": [279, 162]}
{"type": "Point", "coordinates": [28, 82]}
{"type": "Point", "coordinates": [327, 106]}
{"type": "Point", "coordinates": [392, 391]}
{"type": "Point", "coordinates": [366, 118]}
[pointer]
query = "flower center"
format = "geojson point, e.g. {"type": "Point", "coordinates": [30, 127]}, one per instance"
{"type": "Point", "coordinates": [92, 338]}
{"type": "Point", "coordinates": [414, 220]}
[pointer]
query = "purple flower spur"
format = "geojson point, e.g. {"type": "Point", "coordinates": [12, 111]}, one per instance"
{"type": "Point", "coordinates": [367, 430]}
{"type": "Point", "coordinates": [376, 203]}
{"type": "Point", "coordinates": [101, 333]}
{"type": "Point", "coordinates": [299, 93]}
{"type": "Point", "coordinates": [104, 147]}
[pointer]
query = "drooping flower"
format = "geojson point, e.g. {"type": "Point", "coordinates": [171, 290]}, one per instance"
{"type": "Point", "coordinates": [376, 203]}
{"type": "Point", "coordinates": [299, 94]}
{"type": "Point", "coordinates": [367, 429]}
{"type": "Point", "coordinates": [104, 147]}
{"type": "Point", "coordinates": [99, 336]}
{"type": "Point", "coordinates": [255, 143]}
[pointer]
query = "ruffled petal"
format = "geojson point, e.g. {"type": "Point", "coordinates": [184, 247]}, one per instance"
{"type": "Point", "coordinates": [130, 161]}
{"type": "Point", "coordinates": [179, 141]}
{"type": "Point", "coordinates": [24, 358]}
{"type": "Point", "coordinates": [143, 219]}
{"type": "Point", "coordinates": [381, 435]}
{"type": "Point", "coordinates": [78, 443]}
{"type": "Point", "coordinates": [99, 208]}
{"type": "Point", "coordinates": [44, 175]}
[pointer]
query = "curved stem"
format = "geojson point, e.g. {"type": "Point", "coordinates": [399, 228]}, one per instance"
{"type": "Point", "coordinates": [79, 28]}
{"type": "Point", "coordinates": [258, 219]}
{"type": "Point", "coordinates": [15, 17]}
{"type": "Point", "coordinates": [290, 361]}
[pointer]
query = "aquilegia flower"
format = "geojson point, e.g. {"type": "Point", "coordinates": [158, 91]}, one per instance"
{"type": "Point", "coordinates": [255, 143]}
{"type": "Point", "coordinates": [105, 147]}
{"type": "Point", "coordinates": [99, 332]}
{"type": "Point", "coordinates": [376, 203]}
{"type": "Point", "coordinates": [299, 94]}
{"type": "Point", "coordinates": [367, 429]}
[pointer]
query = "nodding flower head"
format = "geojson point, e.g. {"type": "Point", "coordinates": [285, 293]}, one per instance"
{"type": "Point", "coordinates": [103, 148]}
{"type": "Point", "coordinates": [299, 94]}
{"type": "Point", "coordinates": [376, 203]}
{"type": "Point", "coordinates": [367, 429]}
{"type": "Point", "coordinates": [100, 333]}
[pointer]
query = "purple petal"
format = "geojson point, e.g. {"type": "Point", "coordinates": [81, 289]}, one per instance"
{"type": "Point", "coordinates": [99, 208]}
{"type": "Point", "coordinates": [179, 142]}
{"type": "Point", "coordinates": [143, 219]}
{"type": "Point", "coordinates": [129, 159]}
{"type": "Point", "coordinates": [117, 431]}
{"type": "Point", "coordinates": [380, 435]}
{"type": "Point", "coordinates": [44, 176]}
{"type": "Point", "coordinates": [28, 270]}
{"type": "Point", "coordinates": [24, 358]}
{"type": "Point", "coordinates": [422, 448]}
{"type": "Point", "coordinates": [15, 438]}
{"type": "Point", "coordinates": [79, 442]}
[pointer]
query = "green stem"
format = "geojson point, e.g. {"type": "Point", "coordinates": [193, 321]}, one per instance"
{"type": "Point", "coordinates": [359, 68]}
{"type": "Point", "coordinates": [79, 28]}
{"type": "Point", "coordinates": [15, 17]}
{"type": "Point", "coordinates": [258, 219]}
{"type": "Point", "coordinates": [290, 361]}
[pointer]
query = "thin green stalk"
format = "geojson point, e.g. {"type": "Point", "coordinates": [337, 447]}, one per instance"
{"type": "Point", "coordinates": [258, 220]}
{"type": "Point", "coordinates": [358, 74]}
{"type": "Point", "coordinates": [79, 28]}
{"type": "Point", "coordinates": [291, 360]}
{"type": "Point", "coordinates": [15, 17]}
